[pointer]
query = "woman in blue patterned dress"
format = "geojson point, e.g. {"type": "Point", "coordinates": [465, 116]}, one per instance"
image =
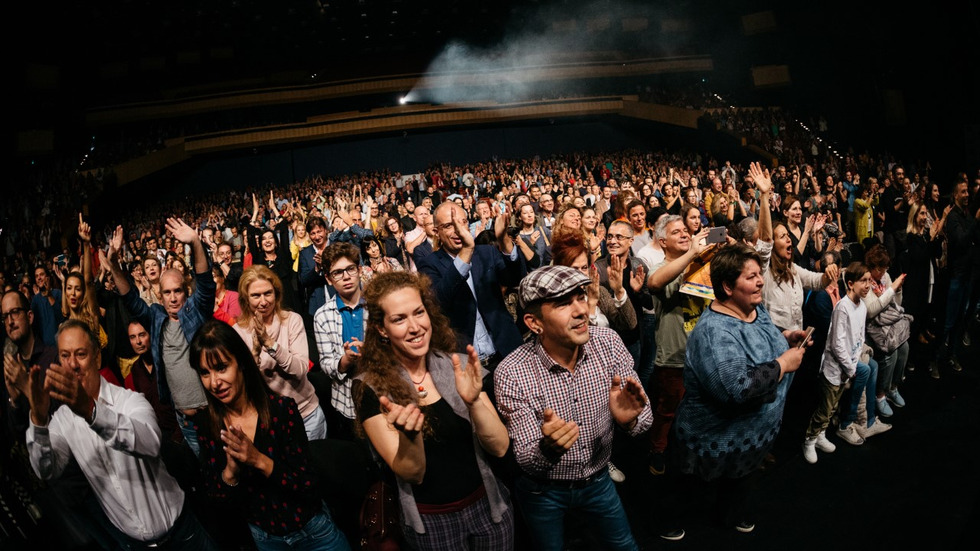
{"type": "Point", "coordinates": [738, 369]}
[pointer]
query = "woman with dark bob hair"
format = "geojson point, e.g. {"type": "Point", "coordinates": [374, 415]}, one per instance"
{"type": "Point", "coordinates": [254, 449]}
{"type": "Point", "coordinates": [738, 369]}
{"type": "Point", "coordinates": [425, 413]}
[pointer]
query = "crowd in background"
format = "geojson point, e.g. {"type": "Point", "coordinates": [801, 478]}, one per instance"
{"type": "Point", "coordinates": [293, 285]}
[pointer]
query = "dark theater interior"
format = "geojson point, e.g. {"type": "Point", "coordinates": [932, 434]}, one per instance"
{"type": "Point", "coordinates": [123, 109]}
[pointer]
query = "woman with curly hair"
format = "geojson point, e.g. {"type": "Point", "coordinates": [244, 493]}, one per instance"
{"type": "Point", "coordinates": [426, 415]}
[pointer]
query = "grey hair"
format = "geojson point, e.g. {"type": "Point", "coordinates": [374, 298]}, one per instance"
{"type": "Point", "coordinates": [660, 230]}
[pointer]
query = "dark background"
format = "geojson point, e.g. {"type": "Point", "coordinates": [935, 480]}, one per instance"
{"type": "Point", "coordinates": [887, 78]}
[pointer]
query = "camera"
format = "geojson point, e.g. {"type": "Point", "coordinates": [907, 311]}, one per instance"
{"type": "Point", "coordinates": [832, 229]}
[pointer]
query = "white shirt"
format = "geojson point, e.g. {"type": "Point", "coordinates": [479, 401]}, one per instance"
{"type": "Point", "coordinates": [651, 256]}
{"type": "Point", "coordinates": [120, 457]}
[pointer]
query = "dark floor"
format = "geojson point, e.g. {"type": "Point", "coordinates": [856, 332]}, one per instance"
{"type": "Point", "coordinates": [918, 483]}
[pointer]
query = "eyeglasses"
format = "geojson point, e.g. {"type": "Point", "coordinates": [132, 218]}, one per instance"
{"type": "Point", "coordinates": [617, 237]}
{"type": "Point", "coordinates": [350, 270]}
{"type": "Point", "coordinates": [13, 312]}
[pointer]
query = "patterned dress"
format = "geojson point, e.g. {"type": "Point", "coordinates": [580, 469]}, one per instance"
{"type": "Point", "coordinates": [733, 405]}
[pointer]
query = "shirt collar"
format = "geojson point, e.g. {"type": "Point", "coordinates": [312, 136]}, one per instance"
{"type": "Point", "coordinates": [342, 306]}
{"type": "Point", "coordinates": [550, 364]}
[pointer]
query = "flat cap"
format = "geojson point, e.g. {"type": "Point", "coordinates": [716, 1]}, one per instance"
{"type": "Point", "coordinates": [550, 282]}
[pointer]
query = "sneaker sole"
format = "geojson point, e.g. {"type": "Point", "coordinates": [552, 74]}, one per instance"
{"type": "Point", "coordinates": [673, 537]}
{"type": "Point", "coordinates": [745, 529]}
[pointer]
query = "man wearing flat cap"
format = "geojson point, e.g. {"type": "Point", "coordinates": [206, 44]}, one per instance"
{"type": "Point", "coordinates": [561, 396]}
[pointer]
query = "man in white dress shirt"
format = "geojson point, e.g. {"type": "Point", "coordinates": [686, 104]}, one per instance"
{"type": "Point", "coordinates": [113, 434]}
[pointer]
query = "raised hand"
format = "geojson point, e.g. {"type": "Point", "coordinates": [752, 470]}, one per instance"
{"type": "Point", "coordinates": [38, 397]}
{"type": "Point", "coordinates": [407, 419]}
{"type": "Point", "coordinates": [638, 278]}
{"type": "Point", "coordinates": [181, 231]}
{"type": "Point", "coordinates": [84, 230]}
{"type": "Point", "coordinates": [239, 447]}
{"type": "Point", "coordinates": [832, 273]}
{"type": "Point", "coordinates": [351, 353]}
{"type": "Point", "coordinates": [614, 272]}
{"type": "Point", "coordinates": [897, 284]}
{"type": "Point", "coordinates": [115, 243]}
{"type": "Point", "coordinates": [462, 229]}
{"type": "Point", "coordinates": [559, 435]}
{"type": "Point", "coordinates": [819, 222]}
{"type": "Point", "coordinates": [66, 387]}
{"type": "Point", "coordinates": [469, 379]}
{"type": "Point", "coordinates": [15, 376]}
{"type": "Point", "coordinates": [626, 400]}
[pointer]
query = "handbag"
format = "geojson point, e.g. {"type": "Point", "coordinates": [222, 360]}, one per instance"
{"type": "Point", "coordinates": [380, 518]}
{"type": "Point", "coordinates": [889, 329]}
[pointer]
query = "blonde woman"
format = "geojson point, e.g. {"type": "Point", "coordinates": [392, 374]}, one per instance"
{"type": "Point", "coordinates": [277, 339]}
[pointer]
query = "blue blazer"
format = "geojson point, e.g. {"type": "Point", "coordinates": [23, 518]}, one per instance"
{"type": "Point", "coordinates": [490, 270]}
{"type": "Point", "coordinates": [311, 282]}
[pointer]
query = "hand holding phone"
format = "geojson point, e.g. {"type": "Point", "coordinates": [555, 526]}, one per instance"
{"type": "Point", "coordinates": [806, 338]}
{"type": "Point", "coordinates": [717, 235]}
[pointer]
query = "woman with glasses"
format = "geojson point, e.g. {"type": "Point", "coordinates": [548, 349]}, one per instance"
{"type": "Point", "coordinates": [278, 342]}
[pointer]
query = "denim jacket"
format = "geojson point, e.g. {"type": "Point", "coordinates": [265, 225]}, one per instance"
{"type": "Point", "coordinates": [198, 308]}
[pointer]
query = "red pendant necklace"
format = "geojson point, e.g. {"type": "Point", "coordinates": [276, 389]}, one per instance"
{"type": "Point", "coordinates": [422, 391]}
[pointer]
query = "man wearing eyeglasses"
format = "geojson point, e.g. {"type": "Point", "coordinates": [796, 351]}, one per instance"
{"type": "Point", "coordinates": [22, 349]}
{"type": "Point", "coordinates": [619, 240]}
{"type": "Point", "coordinates": [467, 279]}
{"type": "Point", "coordinates": [338, 327]}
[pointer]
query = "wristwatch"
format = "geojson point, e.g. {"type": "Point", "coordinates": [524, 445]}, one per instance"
{"type": "Point", "coordinates": [273, 349]}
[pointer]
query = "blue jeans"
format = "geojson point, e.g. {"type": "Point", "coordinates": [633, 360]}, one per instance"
{"type": "Point", "coordinates": [648, 349]}
{"type": "Point", "coordinates": [865, 381]}
{"type": "Point", "coordinates": [544, 506]}
{"type": "Point", "coordinates": [186, 534]}
{"type": "Point", "coordinates": [316, 425]}
{"type": "Point", "coordinates": [892, 368]}
{"type": "Point", "coordinates": [957, 303]}
{"type": "Point", "coordinates": [190, 434]}
{"type": "Point", "coordinates": [319, 534]}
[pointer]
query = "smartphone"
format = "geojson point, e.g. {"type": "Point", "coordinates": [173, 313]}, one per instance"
{"type": "Point", "coordinates": [806, 339]}
{"type": "Point", "coordinates": [717, 235]}
{"type": "Point", "coordinates": [60, 259]}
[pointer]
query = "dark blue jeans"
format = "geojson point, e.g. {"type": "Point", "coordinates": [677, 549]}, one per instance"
{"type": "Point", "coordinates": [648, 350]}
{"type": "Point", "coordinates": [187, 534]}
{"type": "Point", "coordinates": [544, 506]}
{"type": "Point", "coordinates": [319, 534]}
{"type": "Point", "coordinates": [957, 303]}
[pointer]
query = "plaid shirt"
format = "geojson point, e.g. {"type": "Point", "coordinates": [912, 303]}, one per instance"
{"type": "Point", "coordinates": [328, 329]}
{"type": "Point", "coordinates": [528, 380]}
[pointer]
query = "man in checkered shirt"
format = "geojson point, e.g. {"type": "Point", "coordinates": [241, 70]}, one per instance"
{"type": "Point", "coordinates": [561, 396]}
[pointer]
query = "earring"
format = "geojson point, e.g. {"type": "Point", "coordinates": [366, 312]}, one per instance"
{"type": "Point", "coordinates": [384, 340]}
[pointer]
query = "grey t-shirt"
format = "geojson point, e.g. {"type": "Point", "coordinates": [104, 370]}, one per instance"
{"type": "Point", "coordinates": [677, 314]}
{"type": "Point", "coordinates": [184, 382]}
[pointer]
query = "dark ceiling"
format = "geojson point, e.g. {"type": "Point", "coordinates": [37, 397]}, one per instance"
{"type": "Point", "coordinates": [856, 61]}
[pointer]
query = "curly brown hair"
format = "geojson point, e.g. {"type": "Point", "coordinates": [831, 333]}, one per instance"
{"type": "Point", "coordinates": [378, 364]}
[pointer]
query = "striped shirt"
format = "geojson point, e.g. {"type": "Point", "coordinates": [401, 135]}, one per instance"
{"type": "Point", "coordinates": [528, 380]}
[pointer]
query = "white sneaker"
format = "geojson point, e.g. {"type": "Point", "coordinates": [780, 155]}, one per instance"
{"type": "Point", "coordinates": [877, 427]}
{"type": "Point", "coordinates": [850, 435]}
{"type": "Point", "coordinates": [615, 474]}
{"type": "Point", "coordinates": [823, 444]}
{"type": "Point", "coordinates": [810, 450]}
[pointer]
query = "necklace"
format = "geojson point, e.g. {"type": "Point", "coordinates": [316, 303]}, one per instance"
{"type": "Point", "coordinates": [422, 391]}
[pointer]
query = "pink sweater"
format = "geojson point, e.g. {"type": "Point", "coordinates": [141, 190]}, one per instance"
{"type": "Point", "coordinates": [286, 372]}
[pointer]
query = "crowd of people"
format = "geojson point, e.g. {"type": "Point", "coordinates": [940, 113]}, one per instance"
{"type": "Point", "coordinates": [480, 332]}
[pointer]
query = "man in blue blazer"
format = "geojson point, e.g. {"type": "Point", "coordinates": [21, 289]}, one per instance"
{"type": "Point", "coordinates": [467, 280]}
{"type": "Point", "coordinates": [312, 277]}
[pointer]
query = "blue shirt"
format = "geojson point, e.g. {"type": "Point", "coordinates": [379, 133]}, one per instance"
{"type": "Point", "coordinates": [48, 315]}
{"type": "Point", "coordinates": [352, 320]}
